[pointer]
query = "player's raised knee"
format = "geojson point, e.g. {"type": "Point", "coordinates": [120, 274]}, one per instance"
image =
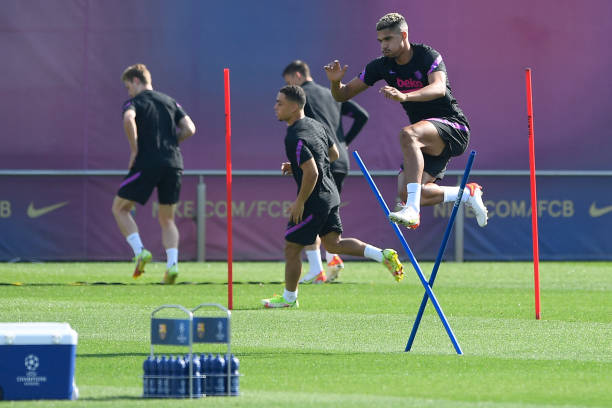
{"type": "Point", "coordinates": [408, 135]}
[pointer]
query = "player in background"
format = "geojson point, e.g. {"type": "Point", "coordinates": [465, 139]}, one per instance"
{"type": "Point", "coordinates": [310, 148]}
{"type": "Point", "coordinates": [154, 125]}
{"type": "Point", "coordinates": [321, 106]}
{"type": "Point", "coordinates": [416, 77]}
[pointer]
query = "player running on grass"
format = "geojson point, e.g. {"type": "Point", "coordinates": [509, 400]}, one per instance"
{"type": "Point", "coordinates": [321, 106]}
{"type": "Point", "coordinates": [416, 77]}
{"type": "Point", "coordinates": [309, 148]}
{"type": "Point", "coordinates": [154, 124]}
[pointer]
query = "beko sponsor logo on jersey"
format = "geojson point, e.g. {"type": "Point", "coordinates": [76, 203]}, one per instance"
{"type": "Point", "coordinates": [409, 83]}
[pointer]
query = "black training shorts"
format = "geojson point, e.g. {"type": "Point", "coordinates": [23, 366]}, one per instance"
{"type": "Point", "coordinates": [339, 180]}
{"type": "Point", "coordinates": [456, 137]}
{"type": "Point", "coordinates": [315, 223]}
{"type": "Point", "coordinates": [138, 185]}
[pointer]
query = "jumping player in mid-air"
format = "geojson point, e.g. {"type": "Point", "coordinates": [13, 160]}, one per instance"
{"type": "Point", "coordinates": [416, 77]}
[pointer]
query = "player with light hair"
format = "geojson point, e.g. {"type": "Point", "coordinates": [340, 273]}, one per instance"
{"type": "Point", "coordinates": [154, 124]}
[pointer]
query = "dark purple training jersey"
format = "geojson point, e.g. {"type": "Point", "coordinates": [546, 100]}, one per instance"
{"type": "Point", "coordinates": [308, 139]}
{"type": "Point", "coordinates": [413, 76]}
{"type": "Point", "coordinates": [157, 116]}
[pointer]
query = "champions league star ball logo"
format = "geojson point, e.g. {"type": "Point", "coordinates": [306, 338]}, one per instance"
{"type": "Point", "coordinates": [31, 377]}
{"type": "Point", "coordinates": [31, 362]}
{"type": "Point", "coordinates": [181, 334]}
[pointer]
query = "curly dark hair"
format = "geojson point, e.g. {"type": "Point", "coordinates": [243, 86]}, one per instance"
{"type": "Point", "coordinates": [392, 21]}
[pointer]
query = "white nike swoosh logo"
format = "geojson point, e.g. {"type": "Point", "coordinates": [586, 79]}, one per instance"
{"type": "Point", "coordinates": [37, 212]}
{"type": "Point", "coordinates": [598, 212]}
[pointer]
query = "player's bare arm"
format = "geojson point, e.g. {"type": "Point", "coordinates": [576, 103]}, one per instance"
{"type": "Point", "coordinates": [333, 153]}
{"type": "Point", "coordinates": [342, 92]}
{"type": "Point", "coordinates": [186, 129]}
{"type": "Point", "coordinates": [309, 180]}
{"type": "Point", "coordinates": [129, 126]}
{"type": "Point", "coordinates": [436, 89]}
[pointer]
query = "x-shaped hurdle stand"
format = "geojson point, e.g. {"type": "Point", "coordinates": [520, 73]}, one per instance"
{"type": "Point", "coordinates": [429, 294]}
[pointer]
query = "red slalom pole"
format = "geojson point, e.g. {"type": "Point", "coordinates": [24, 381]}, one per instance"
{"type": "Point", "coordinates": [228, 178]}
{"type": "Point", "coordinates": [534, 200]}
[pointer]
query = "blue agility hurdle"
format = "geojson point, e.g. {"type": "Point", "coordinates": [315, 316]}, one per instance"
{"type": "Point", "coordinates": [415, 264]}
{"type": "Point", "coordinates": [434, 271]}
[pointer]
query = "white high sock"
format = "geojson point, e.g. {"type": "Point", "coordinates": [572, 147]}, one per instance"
{"type": "Point", "coordinates": [373, 253]}
{"type": "Point", "coordinates": [414, 196]}
{"type": "Point", "coordinates": [451, 194]}
{"type": "Point", "coordinates": [329, 257]}
{"type": "Point", "coordinates": [135, 243]}
{"type": "Point", "coordinates": [314, 262]}
{"type": "Point", "coordinates": [290, 296]}
{"type": "Point", "coordinates": [172, 256]}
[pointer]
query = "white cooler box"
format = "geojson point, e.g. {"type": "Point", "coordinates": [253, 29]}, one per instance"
{"type": "Point", "coordinates": [37, 361]}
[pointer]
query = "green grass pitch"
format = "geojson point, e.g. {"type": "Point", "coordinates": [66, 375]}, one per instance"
{"type": "Point", "coordinates": [344, 347]}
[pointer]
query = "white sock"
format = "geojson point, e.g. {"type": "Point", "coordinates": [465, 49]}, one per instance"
{"type": "Point", "coordinates": [451, 193]}
{"type": "Point", "coordinates": [414, 196]}
{"type": "Point", "coordinates": [373, 253]}
{"type": "Point", "coordinates": [172, 256]}
{"type": "Point", "coordinates": [290, 296]}
{"type": "Point", "coordinates": [329, 257]}
{"type": "Point", "coordinates": [314, 262]}
{"type": "Point", "coordinates": [135, 243]}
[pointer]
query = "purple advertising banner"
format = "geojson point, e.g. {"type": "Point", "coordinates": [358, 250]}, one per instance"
{"type": "Point", "coordinates": [62, 61]}
{"type": "Point", "coordinates": [70, 219]}
{"type": "Point", "coordinates": [62, 95]}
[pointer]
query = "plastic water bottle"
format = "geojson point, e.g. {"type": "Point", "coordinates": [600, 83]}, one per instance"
{"type": "Point", "coordinates": [235, 382]}
{"type": "Point", "coordinates": [211, 385]}
{"type": "Point", "coordinates": [210, 375]}
{"type": "Point", "coordinates": [165, 374]}
{"type": "Point", "coordinates": [153, 372]}
{"type": "Point", "coordinates": [181, 381]}
{"type": "Point", "coordinates": [146, 372]}
{"type": "Point", "coordinates": [173, 376]}
{"type": "Point", "coordinates": [159, 381]}
{"type": "Point", "coordinates": [203, 371]}
{"type": "Point", "coordinates": [220, 375]}
{"type": "Point", "coordinates": [196, 380]}
{"type": "Point", "coordinates": [226, 364]}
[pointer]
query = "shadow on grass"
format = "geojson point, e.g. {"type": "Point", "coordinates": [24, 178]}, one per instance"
{"type": "Point", "coordinates": [104, 355]}
{"type": "Point", "coordinates": [151, 283]}
{"type": "Point", "coordinates": [132, 283]}
{"type": "Point", "coordinates": [112, 398]}
{"type": "Point", "coordinates": [259, 354]}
